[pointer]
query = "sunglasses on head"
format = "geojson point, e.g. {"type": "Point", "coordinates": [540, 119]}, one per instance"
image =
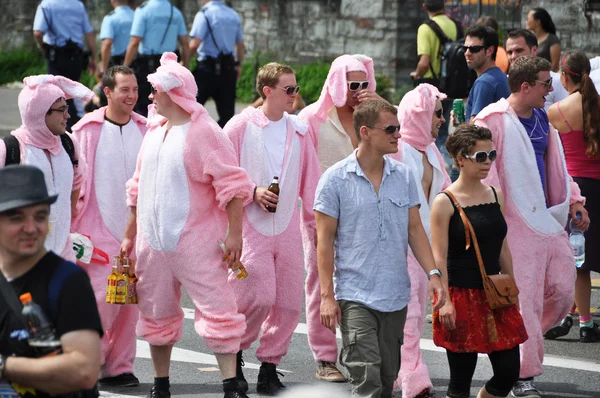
{"type": "Point", "coordinates": [482, 156]}
{"type": "Point", "coordinates": [358, 85]}
{"type": "Point", "coordinates": [439, 113]}
{"type": "Point", "coordinates": [391, 129]}
{"type": "Point", "coordinates": [473, 49]}
{"type": "Point", "coordinates": [290, 90]}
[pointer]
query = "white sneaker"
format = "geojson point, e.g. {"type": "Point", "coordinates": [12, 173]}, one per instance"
{"type": "Point", "coordinates": [525, 389]}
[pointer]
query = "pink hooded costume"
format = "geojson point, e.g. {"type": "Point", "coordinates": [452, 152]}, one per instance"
{"type": "Point", "coordinates": [415, 115]}
{"type": "Point", "coordinates": [332, 144]}
{"type": "Point", "coordinates": [271, 296]}
{"type": "Point", "coordinates": [110, 151]}
{"type": "Point", "coordinates": [40, 148]}
{"type": "Point", "coordinates": [182, 184]}
{"type": "Point", "coordinates": [542, 257]}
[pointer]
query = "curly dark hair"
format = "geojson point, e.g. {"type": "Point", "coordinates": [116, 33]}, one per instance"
{"type": "Point", "coordinates": [464, 138]}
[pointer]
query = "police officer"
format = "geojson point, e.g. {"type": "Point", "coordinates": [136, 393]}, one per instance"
{"type": "Point", "coordinates": [58, 29]}
{"type": "Point", "coordinates": [216, 32]}
{"type": "Point", "coordinates": [114, 34]}
{"type": "Point", "coordinates": [157, 25]}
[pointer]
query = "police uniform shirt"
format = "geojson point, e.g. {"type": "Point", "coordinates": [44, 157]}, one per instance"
{"type": "Point", "coordinates": [65, 19]}
{"type": "Point", "coordinates": [150, 22]}
{"type": "Point", "coordinates": [226, 27]}
{"type": "Point", "coordinates": [116, 26]}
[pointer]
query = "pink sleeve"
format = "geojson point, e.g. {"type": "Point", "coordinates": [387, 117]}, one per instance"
{"type": "Point", "coordinates": [2, 153]}
{"type": "Point", "coordinates": [81, 144]}
{"type": "Point", "coordinates": [308, 117]}
{"type": "Point", "coordinates": [311, 172]}
{"type": "Point", "coordinates": [575, 193]}
{"type": "Point", "coordinates": [133, 183]}
{"type": "Point", "coordinates": [493, 178]}
{"type": "Point", "coordinates": [80, 171]}
{"type": "Point", "coordinates": [234, 130]}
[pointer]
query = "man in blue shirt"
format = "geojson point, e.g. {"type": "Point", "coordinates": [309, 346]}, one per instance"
{"type": "Point", "coordinates": [216, 33]}
{"type": "Point", "coordinates": [367, 214]}
{"type": "Point", "coordinates": [481, 45]}
{"type": "Point", "coordinates": [58, 29]}
{"type": "Point", "coordinates": [114, 34]}
{"type": "Point", "coordinates": [157, 26]}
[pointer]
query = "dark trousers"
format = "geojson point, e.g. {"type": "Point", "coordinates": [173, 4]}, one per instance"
{"type": "Point", "coordinates": [71, 68]}
{"type": "Point", "coordinates": [220, 87]}
{"type": "Point", "coordinates": [143, 66]}
{"type": "Point", "coordinates": [506, 366]}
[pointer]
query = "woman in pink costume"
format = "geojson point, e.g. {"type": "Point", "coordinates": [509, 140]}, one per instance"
{"type": "Point", "coordinates": [44, 112]}
{"type": "Point", "coordinates": [351, 80]}
{"type": "Point", "coordinates": [270, 142]}
{"type": "Point", "coordinates": [185, 188]}
{"type": "Point", "coordinates": [531, 171]}
{"type": "Point", "coordinates": [420, 115]}
{"type": "Point", "coordinates": [110, 139]}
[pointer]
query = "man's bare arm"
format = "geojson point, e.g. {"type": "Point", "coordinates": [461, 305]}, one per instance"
{"type": "Point", "coordinates": [132, 50]}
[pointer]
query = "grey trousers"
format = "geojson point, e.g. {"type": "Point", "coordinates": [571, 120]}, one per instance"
{"type": "Point", "coordinates": [371, 348]}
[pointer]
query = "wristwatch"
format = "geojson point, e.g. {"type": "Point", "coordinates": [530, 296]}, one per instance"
{"type": "Point", "coordinates": [433, 272]}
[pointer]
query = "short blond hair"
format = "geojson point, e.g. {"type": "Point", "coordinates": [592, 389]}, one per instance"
{"type": "Point", "coordinates": [269, 74]}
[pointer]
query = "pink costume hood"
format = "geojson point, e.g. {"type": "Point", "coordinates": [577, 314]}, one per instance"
{"type": "Point", "coordinates": [415, 113]}
{"type": "Point", "coordinates": [336, 86]}
{"type": "Point", "coordinates": [178, 82]}
{"type": "Point", "coordinates": [36, 98]}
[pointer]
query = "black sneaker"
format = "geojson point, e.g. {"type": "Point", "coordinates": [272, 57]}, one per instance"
{"type": "Point", "coordinates": [589, 335]}
{"type": "Point", "coordinates": [122, 380]}
{"type": "Point", "coordinates": [560, 330]}
{"type": "Point", "coordinates": [268, 380]}
{"type": "Point", "coordinates": [156, 393]}
{"type": "Point", "coordinates": [235, 394]}
{"type": "Point", "coordinates": [239, 374]}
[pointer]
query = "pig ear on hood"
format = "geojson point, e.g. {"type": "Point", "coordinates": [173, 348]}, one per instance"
{"type": "Point", "coordinates": [71, 88]}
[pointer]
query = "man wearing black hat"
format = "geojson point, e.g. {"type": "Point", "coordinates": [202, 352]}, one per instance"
{"type": "Point", "coordinates": [60, 288]}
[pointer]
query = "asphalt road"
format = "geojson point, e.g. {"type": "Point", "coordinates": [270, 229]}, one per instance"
{"type": "Point", "coordinates": [572, 369]}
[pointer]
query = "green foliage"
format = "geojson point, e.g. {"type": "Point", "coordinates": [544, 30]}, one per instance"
{"type": "Point", "coordinates": [17, 64]}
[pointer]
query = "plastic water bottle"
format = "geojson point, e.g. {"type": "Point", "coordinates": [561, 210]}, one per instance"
{"type": "Point", "coordinates": [41, 333]}
{"type": "Point", "coordinates": [577, 240]}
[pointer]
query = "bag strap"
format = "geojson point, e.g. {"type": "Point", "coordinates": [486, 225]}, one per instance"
{"type": "Point", "coordinates": [168, 26]}
{"type": "Point", "coordinates": [67, 143]}
{"type": "Point", "coordinates": [211, 32]}
{"type": "Point", "coordinates": [469, 232]}
{"type": "Point", "coordinates": [12, 300]}
{"type": "Point", "coordinates": [49, 25]}
{"type": "Point", "coordinates": [13, 150]}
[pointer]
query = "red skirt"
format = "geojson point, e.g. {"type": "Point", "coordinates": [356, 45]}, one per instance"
{"type": "Point", "coordinates": [478, 327]}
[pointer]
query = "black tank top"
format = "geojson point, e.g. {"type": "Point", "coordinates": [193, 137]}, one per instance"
{"type": "Point", "coordinates": [490, 228]}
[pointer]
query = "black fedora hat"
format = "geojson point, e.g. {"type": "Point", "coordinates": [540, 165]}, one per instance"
{"type": "Point", "coordinates": [21, 186]}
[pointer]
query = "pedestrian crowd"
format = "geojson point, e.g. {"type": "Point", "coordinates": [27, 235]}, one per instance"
{"type": "Point", "coordinates": [395, 212]}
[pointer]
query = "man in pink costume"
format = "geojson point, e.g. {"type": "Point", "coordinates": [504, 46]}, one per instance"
{"type": "Point", "coordinates": [110, 139]}
{"type": "Point", "coordinates": [44, 112]}
{"type": "Point", "coordinates": [420, 115]}
{"type": "Point", "coordinates": [270, 142]}
{"type": "Point", "coordinates": [185, 189]}
{"type": "Point", "coordinates": [351, 80]}
{"type": "Point", "coordinates": [540, 195]}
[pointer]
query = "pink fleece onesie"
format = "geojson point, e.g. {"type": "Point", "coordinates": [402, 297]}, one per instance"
{"type": "Point", "coordinates": [542, 256]}
{"type": "Point", "coordinates": [332, 144]}
{"type": "Point", "coordinates": [110, 153]}
{"type": "Point", "coordinates": [271, 296]}
{"type": "Point", "coordinates": [181, 187]}
{"type": "Point", "coordinates": [415, 114]}
{"type": "Point", "coordinates": [40, 148]}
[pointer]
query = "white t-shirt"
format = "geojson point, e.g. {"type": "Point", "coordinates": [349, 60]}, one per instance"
{"type": "Point", "coordinates": [558, 93]}
{"type": "Point", "coordinates": [274, 136]}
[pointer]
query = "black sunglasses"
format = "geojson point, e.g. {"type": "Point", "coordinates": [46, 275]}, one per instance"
{"type": "Point", "coordinates": [482, 156]}
{"type": "Point", "coordinates": [473, 49]}
{"type": "Point", "coordinates": [439, 113]}
{"type": "Point", "coordinates": [290, 90]}
{"type": "Point", "coordinates": [391, 129]}
{"type": "Point", "coordinates": [358, 85]}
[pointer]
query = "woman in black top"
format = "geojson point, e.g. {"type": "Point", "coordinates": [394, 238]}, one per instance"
{"type": "Point", "coordinates": [540, 23]}
{"type": "Point", "coordinates": [466, 324]}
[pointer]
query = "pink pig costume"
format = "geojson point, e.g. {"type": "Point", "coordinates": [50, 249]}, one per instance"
{"type": "Point", "coordinates": [332, 145]}
{"type": "Point", "coordinates": [415, 114]}
{"type": "Point", "coordinates": [181, 186]}
{"type": "Point", "coordinates": [36, 141]}
{"type": "Point", "coordinates": [110, 153]}
{"type": "Point", "coordinates": [271, 296]}
{"type": "Point", "coordinates": [542, 256]}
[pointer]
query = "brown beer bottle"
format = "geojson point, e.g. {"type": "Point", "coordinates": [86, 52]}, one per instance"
{"type": "Point", "coordinates": [238, 268]}
{"type": "Point", "coordinates": [273, 187]}
{"type": "Point", "coordinates": [122, 280]}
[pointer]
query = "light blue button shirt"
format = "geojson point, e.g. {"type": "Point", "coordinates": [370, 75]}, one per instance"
{"type": "Point", "coordinates": [65, 19]}
{"type": "Point", "coordinates": [150, 22]}
{"type": "Point", "coordinates": [226, 27]}
{"type": "Point", "coordinates": [116, 26]}
{"type": "Point", "coordinates": [371, 243]}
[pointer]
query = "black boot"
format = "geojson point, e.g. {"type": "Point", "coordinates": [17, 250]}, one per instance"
{"type": "Point", "coordinates": [560, 330]}
{"type": "Point", "coordinates": [239, 374]}
{"type": "Point", "coordinates": [231, 389]}
{"type": "Point", "coordinates": [268, 380]}
{"type": "Point", "coordinates": [156, 393]}
{"type": "Point", "coordinates": [589, 334]}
